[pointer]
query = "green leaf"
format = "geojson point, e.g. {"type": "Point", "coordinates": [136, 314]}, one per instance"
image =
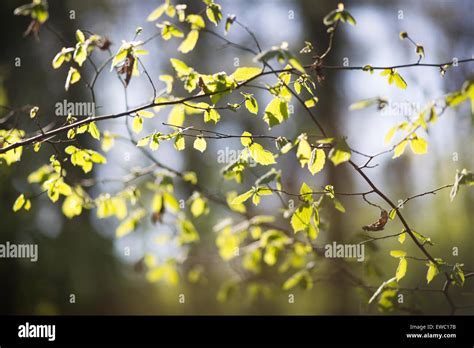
{"type": "Point", "coordinates": [94, 131]}
{"type": "Point", "coordinates": [393, 76]}
{"type": "Point", "coordinates": [179, 142]}
{"type": "Point", "coordinates": [310, 103]}
{"type": "Point", "coordinates": [402, 237]}
{"type": "Point", "coordinates": [317, 161]}
{"type": "Point", "coordinates": [347, 17]}
{"type": "Point", "coordinates": [229, 21]}
{"type": "Point", "coordinates": [120, 55]}
{"type": "Point", "coordinates": [214, 13]}
{"type": "Point", "coordinates": [84, 158]}
{"type": "Point", "coordinates": [200, 144]}
{"type": "Point", "coordinates": [130, 223]}
{"type": "Point", "coordinates": [242, 198]}
{"type": "Point", "coordinates": [298, 277]}
{"type": "Point", "coordinates": [199, 207]}
{"type": "Point", "coordinates": [168, 30]}
{"type": "Point", "coordinates": [80, 36]}
{"type": "Point", "coordinates": [19, 202]}
{"type": "Point", "coordinates": [422, 238]}
{"type": "Point", "coordinates": [80, 54]}
{"type": "Point", "coordinates": [294, 62]}
{"type": "Point", "coordinates": [189, 42]}
{"type": "Point", "coordinates": [363, 104]}
{"type": "Point", "coordinates": [418, 145]}
{"type": "Point", "coordinates": [458, 274]}
{"type": "Point", "coordinates": [398, 253]}
{"type": "Point", "coordinates": [251, 104]}
{"type": "Point", "coordinates": [180, 67]}
{"type": "Point", "coordinates": [72, 205]}
{"type": "Point", "coordinates": [177, 116]}
{"type": "Point", "coordinates": [196, 21]}
{"type": "Point", "coordinates": [72, 77]}
{"type": "Point", "coordinates": [400, 149]}
{"type": "Point", "coordinates": [338, 205]}
{"type": "Point", "coordinates": [432, 271]}
{"type": "Point", "coordinates": [402, 269]}
{"type": "Point", "coordinates": [260, 155]}
{"type": "Point", "coordinates": [137, 124]}
{"type": "Point", "coordinates": [306, 193]}
{"type": "Point", "coordinates": [228, 243]}
{"type": "Point", "coordinates": [211, 115]}
{"type": "Point", "coordinates": [246, 139]}
{"type": "Point", "coordinates": [238, 207]}
{"type": "Point", "coordinates": [33, 112]}
{"type": "Point", "coordinates": [145, 114]}
{"type": "Point", "coordinates": [301, 218]}
{"type": "Point", "coordinates": [390, 134]}
{"type": "Point", "coordinates": [399, 81]}
{"type": "Point", "coordinates": [58, 60]}
{"type": "Point", "coordinates": [303, 152]}
{"type": "Point", "coordinates": [276, 112]}
{"type": "Point", "coordinates": [246, 73]}
{"type": "Point", "coordinates": [392, 214]}
{"type": "Point", "coordinates": [340, 153]}
{"type": "Point", "coordinates": [157, 12]}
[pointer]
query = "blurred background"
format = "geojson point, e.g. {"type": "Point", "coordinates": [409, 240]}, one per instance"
{"type": "Point", "coordinates": [82, 256]}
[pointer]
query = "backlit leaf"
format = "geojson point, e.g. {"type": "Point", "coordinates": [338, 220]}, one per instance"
{"type": "Point", "coordinates": [189, 42]}
{"type": "Point", "coordinates": [245, 73]}
{"type": "Point", "coordinates": [402, 269]}
{"type": "Point", "coordinates": [200, 144]}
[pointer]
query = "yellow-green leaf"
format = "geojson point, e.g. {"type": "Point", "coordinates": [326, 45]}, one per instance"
{"type": "Point", "coordinates": [432, 271]}
{"type": "Point", "coordinates": [19, 202]}
{"type": "Point", "coordinates": [246, 73]}
{"type": "Point", "coordinates": [108, 141]}
{"type": "Point", "coordinates": [260, 155]}
{"type": "Point", "coordinates": [316, 163]}
{"type": "Point", "coordinates": [310, 103]}
{"type": "Point", "coordinates": [200, 144]}
{"type": "Point", "coordinates": [390, 134]}
{"type": "Point", "coordinates": [34, 111]}
{"type": "Point", "coordinates": [303, 152]}
{"type": "Point", "coordinates": [402, 237]}
{"type": "Point", "coordinates": [399, 81]}
{"type": "Point", "coordinates": [137, 124]}
{"type": "Point", "coordinates": [340, 153]}
{"type": "Point", "coordinates": [251, 104]}
{"type": "Point", "coordinates": [301, 218]}
{"type": "Point", "coordinates": [177, 116]}
{"type": "Point", "coordinates": [400, 149]}
{"type": "Point", "coordinates": [402, 268]}
{"type": "Point", "coordinates": [179, 142]}
{"type": "Point", "coordinates": [419, 146]}
{"type": "Point", "coordinates": [189, 42]}
{"type": "Point", "coordinates": [157, 13]}
{"type": "Point", "coordinates": [72, 77]}
{"type": "Point", "coordinates": [398, 253]}
{"type": "Point", "coordinates": [94, 131]}
{"type": "Point", "coordinates": [276, 112]}
{"type": "Point", "coordinates": [242, 198]}
{"type": "Point", "coordinates": [145, 114]}
{"type": "Point", "coordinates": [246, 139]}
{"type": "Point", "coordinates": [198, 207]}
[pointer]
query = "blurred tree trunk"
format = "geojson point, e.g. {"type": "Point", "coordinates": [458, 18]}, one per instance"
{"type": "Point", "coordinates": [328, 112]}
